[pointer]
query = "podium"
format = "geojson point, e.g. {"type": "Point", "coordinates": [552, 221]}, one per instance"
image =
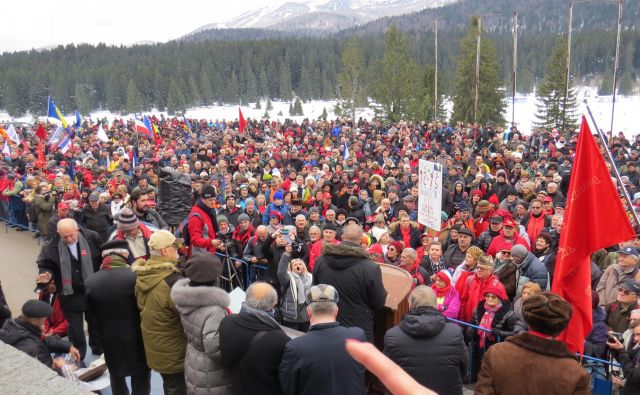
{"type": "Point", "coordinates": [398, 283]}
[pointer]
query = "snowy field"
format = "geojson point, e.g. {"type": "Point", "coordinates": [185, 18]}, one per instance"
{"type": "Point", "coordinates": [627, 116]}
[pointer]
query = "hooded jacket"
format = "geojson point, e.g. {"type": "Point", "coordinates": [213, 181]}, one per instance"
{"type": "Point", "coordinates": [26, 338]}
{"type": "Point", "coordinates": [357, 279]}
{"type": "Point", "coordinates": [164, 340]}
{"type": "Point", "coordinates": [531, 269]}
{"type": "Point", "coordinates": [430, 349]}
{"type": "Point", "coordinates": [201, 311]}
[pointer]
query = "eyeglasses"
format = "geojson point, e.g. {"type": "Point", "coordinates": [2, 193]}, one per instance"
{"type": "Point", "coordinates": [625, 292]}
{"type": "Point", "coordinates": [491, 296]}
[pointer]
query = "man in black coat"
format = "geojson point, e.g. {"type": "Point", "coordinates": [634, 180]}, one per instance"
{"type": "Point", "coordinates": [427, 347]}
{"type": "Point", "coordinates": [25, 334]}
{"type": "Point", "coordinates": [252, 343]}
{"type": "Point", "coordinates": [97, 217]}
{"type": "Point", "coordinates": [69, 258]}
{"type": "Point", "coordinates": [347, 267]}
{"type": "Point", "coordinates": [112, 301]}
{"type": "Point", "coordinates": [318, 363]}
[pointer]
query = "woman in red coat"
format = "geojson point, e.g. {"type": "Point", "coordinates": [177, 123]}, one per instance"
{"type": "Point", "coordinates": [476, 285]}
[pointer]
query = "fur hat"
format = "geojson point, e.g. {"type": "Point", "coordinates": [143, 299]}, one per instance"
{"type": "Point", "coordinates": [547, 313]}
{"type": "Point", "coordinates": [203, 268]}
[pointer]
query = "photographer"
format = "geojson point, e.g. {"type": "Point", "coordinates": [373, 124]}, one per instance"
{"type": "Point", "coordinates": [43, 203]}
{"type": "Point", "coordinates": [630, 361]}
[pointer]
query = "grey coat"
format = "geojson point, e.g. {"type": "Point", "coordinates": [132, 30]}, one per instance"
{"type": "Point", "coordinates": [201, 310]}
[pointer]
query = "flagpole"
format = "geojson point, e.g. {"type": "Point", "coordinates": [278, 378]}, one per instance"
{"type": "Point", "coordinates": [613, 165]}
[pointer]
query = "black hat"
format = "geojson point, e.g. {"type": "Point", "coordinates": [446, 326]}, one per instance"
{"type": "Point", "coordinates": [631, 286]}
{"type": "Point", "coordinates": [629, 251]}
{"type": "Point", "coordinates": [207, 192]}
{"type": "Point", "coordinates": [465, 231]}
{"type": "Point", "coordinates": [114, 245]}
{"type": "Point", "coordinates": [329, 226]}
{"type": "Point", "coordinates": [36, 309]}
{"type": "Point", "coordinates": [351, 219]}
{"type": "Point", "coordinates": [203, 268]}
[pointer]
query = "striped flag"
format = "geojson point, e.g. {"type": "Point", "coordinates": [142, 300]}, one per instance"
{"type": "Point", "coordinates": [13, 135]}
{"type": "Point", "coordinates": [140, 127]}
{"type": "Point", "coordinates": [65, 145]}
{"type": "Point", "coordinates": [53, 112]}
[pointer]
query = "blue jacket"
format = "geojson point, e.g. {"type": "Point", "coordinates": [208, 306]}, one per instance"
{"type": "Point", "coordinates": [318, 363]}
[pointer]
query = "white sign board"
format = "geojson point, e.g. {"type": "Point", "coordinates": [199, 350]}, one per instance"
{"type": "Point", "coordinates": [430, 194]}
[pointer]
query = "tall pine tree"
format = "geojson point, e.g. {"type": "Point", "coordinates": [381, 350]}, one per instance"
{"type": "Point", "coordinates": [428, 103]}
{"type": "Point", "coordinates": [134, 99]}
{"type": "Point", "coordinates": [176, 103]}
{"type": "Point", "coordinates": [550, 94]}
{"type": "Point", "coordinates": [351, 80]}
{"type": "Point", "coordinates": [396, 85]}
{"type": "Point", "coordinates": [491, 103]}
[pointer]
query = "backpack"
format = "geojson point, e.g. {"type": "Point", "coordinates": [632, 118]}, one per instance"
{"type": "Point", "coordinates": [182, 232]}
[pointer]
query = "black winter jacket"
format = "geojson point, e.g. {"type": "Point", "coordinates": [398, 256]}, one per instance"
{"type": "Point", "coordinates": [358, 281]}
{"type": "Point", "coordinates": [26, 338]}
{"type": "Point", "coordinates": [99, 220]}
{"type": "Point", "coordinates": [430, 349]}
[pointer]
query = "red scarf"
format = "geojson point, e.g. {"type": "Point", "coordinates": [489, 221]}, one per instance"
{"type": "Point", "coordinates": [442, 292]}
{"type": "Point", "coordinates": [243, 237]}
{"type": "Point", "coordinates": [486, 322]}
{"type": "Point", "coordinates": [406, 236]}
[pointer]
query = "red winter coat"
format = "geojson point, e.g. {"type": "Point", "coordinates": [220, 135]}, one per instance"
{"type": "Point", "coordinates": [56, 322]}
{"type": "Point", "coordinates": [201, 230]}
{"type": "Point", "coordinates": [473, 293]}
{"type": "Point", "coordinates": [500, 243]}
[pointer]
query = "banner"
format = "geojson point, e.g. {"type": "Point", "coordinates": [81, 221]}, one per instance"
{"type": "Point", "coordinates": [430, 194]}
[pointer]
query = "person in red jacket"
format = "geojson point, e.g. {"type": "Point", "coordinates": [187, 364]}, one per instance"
{"type": "Point", "coordinates": [56, 324]}
{"type": "Point", "coordinates": [328, 237]}
{"type": "Point", "coordinates": [508, 238]}
{"type": "Point", "coordinates": [202, 224]}
{"type": "Point", "coordinates": [536, 220]}
{"type": "Point", "coordinates": [475, 287]}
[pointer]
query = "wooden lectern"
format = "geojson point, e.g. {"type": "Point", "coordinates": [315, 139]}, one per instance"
{"type": "Point", "coordinates": [398, 283]}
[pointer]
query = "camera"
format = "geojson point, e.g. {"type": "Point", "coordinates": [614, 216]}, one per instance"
{"type": "Point", "coordinates": [613, 336]}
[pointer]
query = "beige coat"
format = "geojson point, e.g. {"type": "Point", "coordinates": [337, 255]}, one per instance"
{"type": "Point", "coordinates": [609, 283]}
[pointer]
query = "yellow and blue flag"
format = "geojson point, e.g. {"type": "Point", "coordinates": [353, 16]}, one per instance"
{"type": "Point", "coordinates": [53, 112]}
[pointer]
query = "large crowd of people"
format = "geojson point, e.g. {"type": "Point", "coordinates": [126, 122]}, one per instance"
{"type": "Point", "coordinates": [144, 235]}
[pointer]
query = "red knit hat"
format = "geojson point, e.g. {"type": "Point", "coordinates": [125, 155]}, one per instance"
{"type": "Point", "coordinates": [442, 275]}
{"type": "Point", "coordinates": [397, 245]}
{"type": "Point", "coordinates": [497, 289]}
{"type": "Point", "coordinates": [493, 199]}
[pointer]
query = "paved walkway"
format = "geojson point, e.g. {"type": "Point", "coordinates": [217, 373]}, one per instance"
{"type": "Point", "coordinates": [18, 268]}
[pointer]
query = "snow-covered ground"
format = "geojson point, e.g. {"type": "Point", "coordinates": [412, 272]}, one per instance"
{"type": "Point", "coordinates": [627, 115]}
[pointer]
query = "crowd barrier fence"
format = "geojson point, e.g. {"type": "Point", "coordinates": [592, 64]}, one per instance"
{"type": "Point", "coordinates": [14, 214]}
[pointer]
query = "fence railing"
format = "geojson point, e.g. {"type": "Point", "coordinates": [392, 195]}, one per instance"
{"type": "Point", "coordinates": [14, 213]}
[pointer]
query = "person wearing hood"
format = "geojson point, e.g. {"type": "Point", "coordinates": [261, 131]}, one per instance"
{"type": "Point", "coordinates": [406, 231]}
{"type": "Point", "coordinates": [225, 235]}
{"type": "Point", "coordinates": [277, 205]}
{"type": "Point", "coordinates": [356, 209]}
{"type": "Point", "coordinates": [347, 267]}
{"type": "Point", "coordinates": [111, 299]}
{"type": "Point", "coordinates": [252, 343]}
{"type": "Point", "coordinates": [164, 340]}
{"type": "Point", "coordinates": [528, 268]}
{"type": "Point", "coordinates": [231, 210]}
{"type": "Point", "coordinates": [426, 346]}
{"type": "Point", "coordinates": [202, 306]}
{"type": "Point", "coordinates": [447, 297]}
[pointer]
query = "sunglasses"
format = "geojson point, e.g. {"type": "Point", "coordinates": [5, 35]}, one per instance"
{"type": "Point", "coordinates": [625, 292]}
{"type": "Point", "coordinates": [506, 252]}
{"type": "Point", "coordinates": [391, 249]}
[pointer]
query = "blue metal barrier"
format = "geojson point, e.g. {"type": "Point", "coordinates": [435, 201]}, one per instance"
{"type": "Point", "coordinates": [14, 213]}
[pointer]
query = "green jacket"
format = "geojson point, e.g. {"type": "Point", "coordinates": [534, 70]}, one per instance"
{"type": "Point", "coordinates": [17, 187]}
{"type": "Point", "coordinates": [44, 208]}
{"type": "Point", "coordinates": [164, 341]}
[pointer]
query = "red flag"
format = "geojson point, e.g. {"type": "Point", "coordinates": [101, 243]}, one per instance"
{"type": "Point", "coordinates": [41, 161]}
{"type": "Point", "coordinates": [41, 132]}
{"type": "Point", "coordinates": [242, 124]}
{"type": "Point", "coordinates": [594, 218]}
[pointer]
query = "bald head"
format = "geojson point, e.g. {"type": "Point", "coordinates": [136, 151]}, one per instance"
{"type": "Point", "coordinates": [352, 233]}
{"type": "Point", "coordinates": [261, 232]}
{"type": "Point", "coordinates": [68, 230]}
{"type": "Point", "coordinates": [261, 296]}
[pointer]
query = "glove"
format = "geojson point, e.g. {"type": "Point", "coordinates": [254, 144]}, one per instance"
{"type": "Point", "coordinates": [496, 332]}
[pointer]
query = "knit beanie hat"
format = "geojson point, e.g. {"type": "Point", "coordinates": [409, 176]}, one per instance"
{"type": "Point", "coordinates": [547, 313]}
{"type": "Point", "coordinates": [278, 196]}
{"type": "Point", "coordinates": [398, 246]}
{"type": "Point", "coordinates": [497, 289]}
{"type": "Point", "coordinates": [203, 269]}
{"type": "Point", "coordinates": [221, 218]}
{"type": "Point", "coordinates": [127, 220]}
{"type": "Point", "coordinates": [243, 217]}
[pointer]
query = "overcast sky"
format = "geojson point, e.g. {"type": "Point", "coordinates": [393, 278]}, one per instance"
{"type": "Point", "coordinates": [28, 24]}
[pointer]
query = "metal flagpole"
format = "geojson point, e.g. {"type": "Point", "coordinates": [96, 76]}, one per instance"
{"type": "Point", "coordinates": [567, 70]}
{"type": "Point", "coordinates": [435, 78]}
{"type": "Point", "coordinates": [514, 68]}
{"type": "Point", "coordinates": [615, 65]}
{"type": "Point", "coordinates": [475, 101]}
{"type": "Point", "coordinates": [613, 165]}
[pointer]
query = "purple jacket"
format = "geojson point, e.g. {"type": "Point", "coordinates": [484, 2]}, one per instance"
{"type": "Point", "coordinates": [451, 306]}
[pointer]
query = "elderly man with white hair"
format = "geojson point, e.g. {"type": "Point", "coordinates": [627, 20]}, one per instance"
{"type": "Point", "coordinates": [69, 258]}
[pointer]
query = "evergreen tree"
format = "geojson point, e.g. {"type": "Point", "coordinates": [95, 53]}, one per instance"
{"type": "Point", "coordinates": [550, 94]}
{"type": "Point", "coordinates": [266, 115]}
{"type": "Point", "coordinates": [206, 92]}
{"type": "Point", "coordinates": [626, 84]}
{"type": "Point", "coordinates": [258, 104]}
{"type": "Point", "coordinates": [193, 96]}
{"type": "Point", "coordinates": [491, 104]}
{"type": "Point", "coordinates": [285, 83]}
{"type": "Point", "coordinates": [324, 115]}
{"type": "Point", "coordinates": [606, 85]}
{"type": "Point", "coordinates": [291, 113]}
{"type": "Point", "coordinates": [269, 105]}
{"type": "Point", "coordinates": [305, 85]}
{"type": "Point", "coordinates": [176, 103]}
{"type": "Point", "coordinates": [12, 94]}
{"type": "Point", "coordinates": [297, 107]}
{"type": "Point", "coordinates": [396, 83]}
{"type": "Point", "coordinates": [83, 98]}
{"type": "Point", "coordinates": [526, 82]}
{"type": "Point", "coordinates": [134, 100]}
{"type": "Point", "coordinates": [263, 84]}
{"type": "Point", "coordinates": [351, 80]}
{"type": "Point", "coordinates": [115, 94]}
{"type": "Point", "coordinates": [337, 110]}
{"type": "Point", "coordinates": [231, 94]}
{"type": "Point", "coordinates": [428, 93]}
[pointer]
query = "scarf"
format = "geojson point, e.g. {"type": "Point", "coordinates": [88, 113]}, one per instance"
{"type": "Point", "coordinates": [486, 322]}
{"type": "Point", "coordinates": [406, 235]}
{"type": "Point", "coordinates": [622, 271]}
{"type": "Point", "coordinates": [299, 286]}
{"type": "Point", "coordinates": [86, 265]}
{"type": "Point", "coordinates": [109, 263]}
{"type": "Point", "coordinates": [442, 292]}
{"type": "Point", "coordinates": [243, 237]}
{"type": "Point", "coordinates": [262, 316]}
{"type": "Point", "coordinates": [210, 212]}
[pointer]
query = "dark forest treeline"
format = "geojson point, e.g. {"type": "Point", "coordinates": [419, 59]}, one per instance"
{"type": "Point", "coordinates": [182, 74]}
